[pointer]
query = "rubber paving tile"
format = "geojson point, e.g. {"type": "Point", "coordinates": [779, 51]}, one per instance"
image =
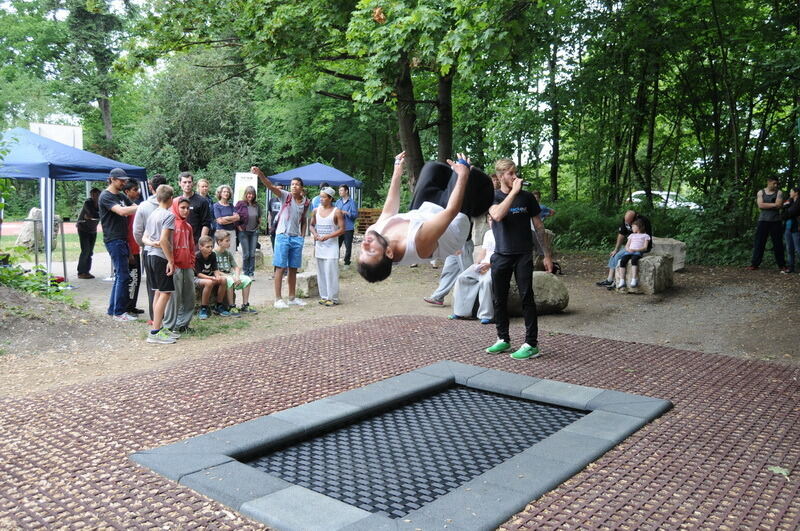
{"type": "Point", "coordinates": [704, 464]}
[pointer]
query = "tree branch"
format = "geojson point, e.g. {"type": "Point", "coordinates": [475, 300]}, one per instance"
{"type": "Point", "coordinates": [348, 77]}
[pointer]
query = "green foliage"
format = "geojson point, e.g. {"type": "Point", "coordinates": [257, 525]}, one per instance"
{"type": "Point", "coordinates": [36, 282]}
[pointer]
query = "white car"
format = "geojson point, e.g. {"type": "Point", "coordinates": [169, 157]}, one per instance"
{"type": "Point", "coordinates": [670, 200]}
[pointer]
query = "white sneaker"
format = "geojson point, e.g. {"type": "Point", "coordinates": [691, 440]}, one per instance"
{"type": "Point", "coordinates": [280, 304]}
{"type": "Point", "coordinates": [162, 337]}
{"type": "Point", "coordinates": [297, 302]}
{"type": "Point", "coordinates": [124, 317]}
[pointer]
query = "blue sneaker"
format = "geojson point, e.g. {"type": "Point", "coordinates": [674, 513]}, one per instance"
{"type": "Point", "coordinates": [203, 314]}
{"type": "Point", "coordinates": [487, 321]}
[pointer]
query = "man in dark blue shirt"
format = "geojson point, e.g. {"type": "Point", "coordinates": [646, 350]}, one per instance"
{"type": "Point", "coordinates": [513, 211]}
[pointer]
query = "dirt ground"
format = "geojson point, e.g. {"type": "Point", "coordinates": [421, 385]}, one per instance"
{"type": "Point", "coordinates": [725, 310]}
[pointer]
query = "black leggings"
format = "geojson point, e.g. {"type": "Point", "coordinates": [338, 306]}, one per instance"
{"type": "Point", "coordinates": [634, 258]}
{"type": "Point", "coordinates": [437, 180]}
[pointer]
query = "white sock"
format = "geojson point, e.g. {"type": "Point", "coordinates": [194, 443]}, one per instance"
{"type": "Point", "coordinates": [634, 282]}
{"type": "Point", "coordinates": [621, 283]}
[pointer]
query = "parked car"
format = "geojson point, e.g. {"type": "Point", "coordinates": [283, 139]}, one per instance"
{"type": "Point", "coordinates": [670, 200]}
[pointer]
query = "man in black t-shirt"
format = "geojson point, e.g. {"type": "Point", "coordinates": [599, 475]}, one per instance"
{"type": "Point", "coordinates": [114, 208]}
{"type": "Point", "coordinates": [513, 212]}
{"type": "Point", "coordinates": [199, 211]}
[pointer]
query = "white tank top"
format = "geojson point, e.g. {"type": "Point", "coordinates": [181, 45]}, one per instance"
{"type": "Point", "coordinates": [329, 248]}
{"type": "Point", "coordinates": [450, 242]}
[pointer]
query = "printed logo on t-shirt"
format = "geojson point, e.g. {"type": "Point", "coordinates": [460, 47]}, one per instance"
{"type": "Point", "coordinates": [518, 210]}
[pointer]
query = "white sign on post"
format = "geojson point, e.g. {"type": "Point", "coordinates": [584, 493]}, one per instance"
{"type": "Point", "coordinates": [241, 182]}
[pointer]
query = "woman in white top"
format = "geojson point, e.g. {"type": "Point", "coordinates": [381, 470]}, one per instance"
{"type": "Point", "coordinates": [327, 224]}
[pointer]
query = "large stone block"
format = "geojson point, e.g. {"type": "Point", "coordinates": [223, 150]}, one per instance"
{"type": "Point", "coordinates": [672, 247]}
{"type": "Point", "coordinates": [307, 285]}
{"type": "Point", "coordinates": [549, 293]}
{"type": "Point", "coordinates": [26, 234]}
{"type": "Point", "coordinates": [655, 274]}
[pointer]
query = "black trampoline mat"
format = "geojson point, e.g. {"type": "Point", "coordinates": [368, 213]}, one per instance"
{"type": "Point", "coordinates": [403, 459]}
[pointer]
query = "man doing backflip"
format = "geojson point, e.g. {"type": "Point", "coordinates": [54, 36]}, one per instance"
{"type": "Point", "coordinates": [512, 213]}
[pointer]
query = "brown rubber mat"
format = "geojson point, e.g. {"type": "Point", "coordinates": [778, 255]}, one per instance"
{"type": "Point", "coordinates": [704, 464]}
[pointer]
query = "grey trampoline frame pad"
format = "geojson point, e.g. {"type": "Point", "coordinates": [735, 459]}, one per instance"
{"type": "Point", "coordinates": [208, 463]}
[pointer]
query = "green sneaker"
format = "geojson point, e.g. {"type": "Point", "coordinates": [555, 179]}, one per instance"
{"type": "Point", "coordinates": [498, 347]}
{"type": "Point", "coordinates": [525, 352]}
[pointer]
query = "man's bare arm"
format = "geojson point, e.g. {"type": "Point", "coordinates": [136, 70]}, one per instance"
{"type": "Point", "coordinates": [544, 243]}
{"type": "Point", "coordinates": [266, 182]}
{"type": "Point", "coordinates": [392, 204]}
{"type": "Point", "coordinates": [498, 212]}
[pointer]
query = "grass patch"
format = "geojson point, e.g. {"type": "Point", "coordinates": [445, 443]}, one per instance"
{"type": "Point", "coordinates": [216, 325]}
{"type": "Point", "coordinates": [72, 244]}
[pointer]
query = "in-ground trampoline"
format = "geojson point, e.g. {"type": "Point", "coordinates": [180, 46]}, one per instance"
{"type": "Point", "coordinates": [449, 445]}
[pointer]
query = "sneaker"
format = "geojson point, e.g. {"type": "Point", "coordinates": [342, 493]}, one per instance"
{"type": "Point", "coordinates": [185, 330]}
{"type": "Point", "coordinates": [203, 314]}
{"type": "Point", "coordinates": [487, 321]}
{"type": "Point", "coordinates": [172, 333]}
{"type": "Point", "coordinates": [85, 276]}
{"type": "Point", "coordinates": [785, 270]}
{"type": "Point", "coordinates": [498, 347]}
{"type": "Point", "coordinates": [605, 282]}
{"type": "Point", "coordinates": [454, 317]}
{"type": "Point", "coordinates": [233, 311]}
{"type": "Point", "coordinates": [322, 302]}
{"type": "Point", "coordinates": [161, 337]}
{"type": "Point", "coordinates": [430, 300]}
{"type": "Point", "coordinates": [751, 268]}
{"type": "Point", "coordinates": [245, 308]}
{"type": "Point", "coordinates": [124, 317]}
{"type": "Point", "coordinates": [135, 311]}
{"type": "Point", "coordinates": [217, 309]}
{"type": "Point", "coordinates": [280, 304]}
{"type": "Point", "coordinates": [526, 352]}
{"type": "Point", "coordinates": [335, 302]}
{"type": "Point", "coordinates": [223, 312]}
{"type": "Point", "coordinates": [297, 302]}
{"type": "Point", "coordinates": [329, 302]}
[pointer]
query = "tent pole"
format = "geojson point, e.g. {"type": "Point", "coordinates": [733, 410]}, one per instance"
{"type": "Point", "coordinates": [63, 250]}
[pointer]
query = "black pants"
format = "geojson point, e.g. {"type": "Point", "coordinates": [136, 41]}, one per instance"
{"type": "Point", "coordinates": [521, 265]}
{"type": "Point", "coordinates": [347, 239]}
{"type": "Point", "coordinates": [87, 240]}
{"type": "Point", "coordinates": [774, 231]}
{"type": "Point", "coordinates": [135, 268]}
{"type": "Point", "coordinates": [436, 182]}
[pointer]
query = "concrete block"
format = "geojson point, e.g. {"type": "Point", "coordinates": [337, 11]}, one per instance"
{"type": "Point", "coordinates": [307, 286]}
{"type": "Point", "coordinates": [255, 436]}
{"type": "Point", "coordinates": [606, 425]}
{"type": "Point", "coordinates": [672, 247]}
{"type": "Point", "coordinates": [502, 382]}
{"type": "Point", "coordinates": [655, 274]}
{"type": "Point", "coordinates": [571, 447]}
{"type": "Point", "coordinates": [301, 509]}
{"type": "Point", "coordinates": [319, 415]}
{"type": "Point", "coordinates": [460, 372]}
{"type": "Point", "coordinates": [175, 466]}
{"type": "Point", "coordinates": [373, 522]}
{"type": "Point", "coordinates": [628, 404]}
{"type": "Point", "coordinates": [385, 394]}
{"type": "Point", "coordinates": [529, 473]}
{"type": "Point", "coordinates": [233, 483]}
{"type": "Point", "coordinates": [560, 393]}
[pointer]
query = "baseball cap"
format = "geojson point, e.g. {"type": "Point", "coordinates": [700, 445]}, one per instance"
{"type": "Point", "coordinates": [329, 191]}
{"type": "Point", "coordinates": [118, 173]}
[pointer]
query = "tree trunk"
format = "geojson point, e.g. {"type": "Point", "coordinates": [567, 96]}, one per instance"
{"type": "Point", "coordinates": [555, 123]}
{"type": "Point", "coordinates": [105, 112]}
{"type": "Point", "coordinates": [445, 128]}
{"type": "Point", "coordinates": [407, 122]}
{"type": "Point", "coordinates": [651, 133]}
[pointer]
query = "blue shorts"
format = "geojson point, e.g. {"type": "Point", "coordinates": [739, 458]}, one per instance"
{"type": "Point", "coordinates": [288, 251]}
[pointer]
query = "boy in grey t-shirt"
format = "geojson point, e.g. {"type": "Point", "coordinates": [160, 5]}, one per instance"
{"type": "Point", "coordinates": [157, 238]}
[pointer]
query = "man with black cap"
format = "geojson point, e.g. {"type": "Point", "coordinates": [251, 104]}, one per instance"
{"type": "Point", "coordinates": [114, 208]}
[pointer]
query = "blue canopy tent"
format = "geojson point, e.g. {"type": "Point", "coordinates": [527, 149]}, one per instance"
{"type": "Point", "coordinates": [316, 174]}
{"type": "Point", "coordinates": [30, 156]}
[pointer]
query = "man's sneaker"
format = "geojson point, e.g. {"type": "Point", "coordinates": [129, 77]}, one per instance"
{"type": "Point", "coordinates": [233, 311]}
{"type": "Point", "coordinates": [124, 317]}
{"type": "Point", "coordinates": [487, 321]}
{"type": "Point", "coordinates": [752, 268]}
{"type": "Point", "coordinates": [217, 309]}
{"type": "Point", "coordinates": [85, 276]}
{"type": "Point", "coordinates": [297, 302]}
{"type": "Point", "coordinates": [526, 352]}
{"type": "Point", "coordinates": [172, 333]}
{"type": "Point", "coordinates": [498, 347]}
{"type": "Point", "coordinates": [605, 282]}
{"type": "Point", "coordinates": [322, 302]}
{"type": "Point", "coordinates": [280, 304]}
{"type": "Point", "coordinates": [433, 301]}
{"type": "Point", "coordinates": [203, 313]}
{"type": "Point", "coordinates": [223, 312]}
{"type": "Point", "coordinates": [785, 270]}
{"type": "Point", "coordinates": [247, 309]}
{"type": "Point", "coordinates": [161, 337]}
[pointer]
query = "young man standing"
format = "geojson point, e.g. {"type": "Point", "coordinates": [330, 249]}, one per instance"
{"type": "Point", "coordinates": [139, 222]}
{"type": "Point", "coordinates": [114, 208]}
{"type": "Point", "coordinates": [350, 212]}
{"type": "Point", "coordinates": [512, 213]}
{"type": "Point", "coordinates": [199, 209]}
{"type": "Point", "coordinates": [289, 233]}
{"type": "Point", "coordinates": [769, 201]}
{"type": "Point", "coordinates": [87, 233]}
{"type": "Point", "coordinates": [132, 192]}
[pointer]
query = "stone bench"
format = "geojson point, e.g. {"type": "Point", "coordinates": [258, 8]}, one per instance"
{"type": "Point", "coordinates": [672, 247]}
